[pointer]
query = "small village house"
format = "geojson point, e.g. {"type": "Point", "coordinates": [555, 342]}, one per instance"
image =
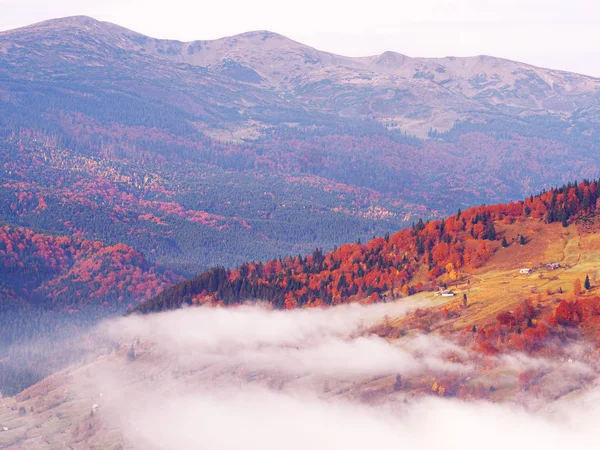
{"type": "Point", "coordinates": [445, 293]}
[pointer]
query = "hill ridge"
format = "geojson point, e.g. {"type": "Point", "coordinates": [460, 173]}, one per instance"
{"type": "Point", "coordinates": [425, 256]}
{"type": "Point", "coordinates": [78, 21]}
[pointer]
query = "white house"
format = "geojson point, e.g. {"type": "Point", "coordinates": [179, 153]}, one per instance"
{"type": "Point", "coordinates": [445, 293]}
{"type": "Point", "coordinates": [526, 271]}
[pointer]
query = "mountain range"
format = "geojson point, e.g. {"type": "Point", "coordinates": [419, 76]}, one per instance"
{"type": "Point", "coordinates": [288, 147]}
{"type": "Point", "coordinates": [236, 84]}
{"type": "Point", "coordinates": [287, 230]}
{"type": "Point", "coordinates": [136, 161]}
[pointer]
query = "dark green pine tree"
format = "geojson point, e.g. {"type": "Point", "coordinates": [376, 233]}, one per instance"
{"type": "Point", "coordinates": [521, 239]}
{"type": "Point", "coordinates": [587, 283]}
{"type": "Point", "coordinates": [490, 231]}
{"type": "Point", "coordinates": [504, 243]}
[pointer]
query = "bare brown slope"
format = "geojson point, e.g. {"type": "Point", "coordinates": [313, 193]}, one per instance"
{"type": "Point", "coordinates": [415, 94]}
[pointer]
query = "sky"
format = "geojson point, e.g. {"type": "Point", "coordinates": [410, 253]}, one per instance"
{"type": "Point", "coordinates": [558, 34]}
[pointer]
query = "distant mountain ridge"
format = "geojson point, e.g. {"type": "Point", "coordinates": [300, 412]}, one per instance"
{"type": "Point", "coordinates": [414, 94]}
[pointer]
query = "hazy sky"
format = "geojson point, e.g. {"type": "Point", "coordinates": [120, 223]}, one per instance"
{"type": "Point", "coordinates": [551, 33]}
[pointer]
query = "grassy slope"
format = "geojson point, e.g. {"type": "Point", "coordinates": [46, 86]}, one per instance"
{"type": "Point", "coordinates": [498, 285]}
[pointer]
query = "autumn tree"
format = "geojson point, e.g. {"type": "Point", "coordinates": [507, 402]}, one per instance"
{"type": "Point", "coordinates": [563, 313]}
{"type": "Point", "coordinates": [577, 287]}
{"type": "Point", "coordinates": [357, 271]}
{"type": "Point", "coordinates": [506, 318]}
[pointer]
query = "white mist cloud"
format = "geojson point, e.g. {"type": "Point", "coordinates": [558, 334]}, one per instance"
{"type": "Point", "coordinates": [247, 327]}
{"type": "Point", "coordinates": [253, 378]}
{"type": "Point", "coordinates": [261, 419]}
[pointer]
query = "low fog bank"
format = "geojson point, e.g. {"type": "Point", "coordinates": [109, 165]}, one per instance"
{"type": "Point", "coordinates": [250, 377]}
{"type": "Point", "coordinates": [256, 325]}
{"type": "Point", "coordinates": [330, 342]}
{"type": "Point", "coordinates": [263, 419]}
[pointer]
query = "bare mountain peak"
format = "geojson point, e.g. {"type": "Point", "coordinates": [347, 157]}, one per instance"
{"type": "Point", "coordinates": [69, 21]}
{"type": "Point", "coordinates": [70, 29]}
{"type": "Point", "coordinates": [72, 22]}
{"type": "Point", "coordinates": [260, 39]}
{"type": "Point", "coordinates": [390, 58]}
{"type": "Point", "coordinates": [259, 34]}
{"type": "Point", "coordinates": [414, 92]}
{"type": "Point", "coordinates": [262, 42]}
{"type": "Point", "coordinates": [392, 55]}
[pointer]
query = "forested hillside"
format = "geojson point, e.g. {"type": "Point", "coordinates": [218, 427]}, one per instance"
{"type": "Point", "coordinates": [221, 204]}
{"type": "Point", "coordinates": [64, 272]}
{"type": "Point", "coordinates": [54, 287]}
{"type": "Point", "coordinates": [183, 214]}
{"type": "Point", "coordinates": [420, 257]}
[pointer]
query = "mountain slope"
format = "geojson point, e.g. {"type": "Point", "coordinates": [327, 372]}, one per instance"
{"type": "Point", "coordinates": [185, 215]}
{"type": "Point", "coordinates": [421, 257]}
{"type": "Point", "coordinates": [73, 273]}
{"type": "Point", "coordinates": [262, 70]}
{"type": "Point", "coordinates": [52, 288]}
{"type": "Point", "coordinates": [523, 347]}
{"type": "Point", "coordinates": [254, 146]}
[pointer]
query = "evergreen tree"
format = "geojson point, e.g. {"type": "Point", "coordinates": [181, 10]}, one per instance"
{"type": "Point", "coordinates": [521, 239]}
{"type": "Point", "coordinates": [504, 243]}
{"type": "Point", "coordinates": [490, 232]}
{"type": "Point", "coordinates": [587, 283]}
